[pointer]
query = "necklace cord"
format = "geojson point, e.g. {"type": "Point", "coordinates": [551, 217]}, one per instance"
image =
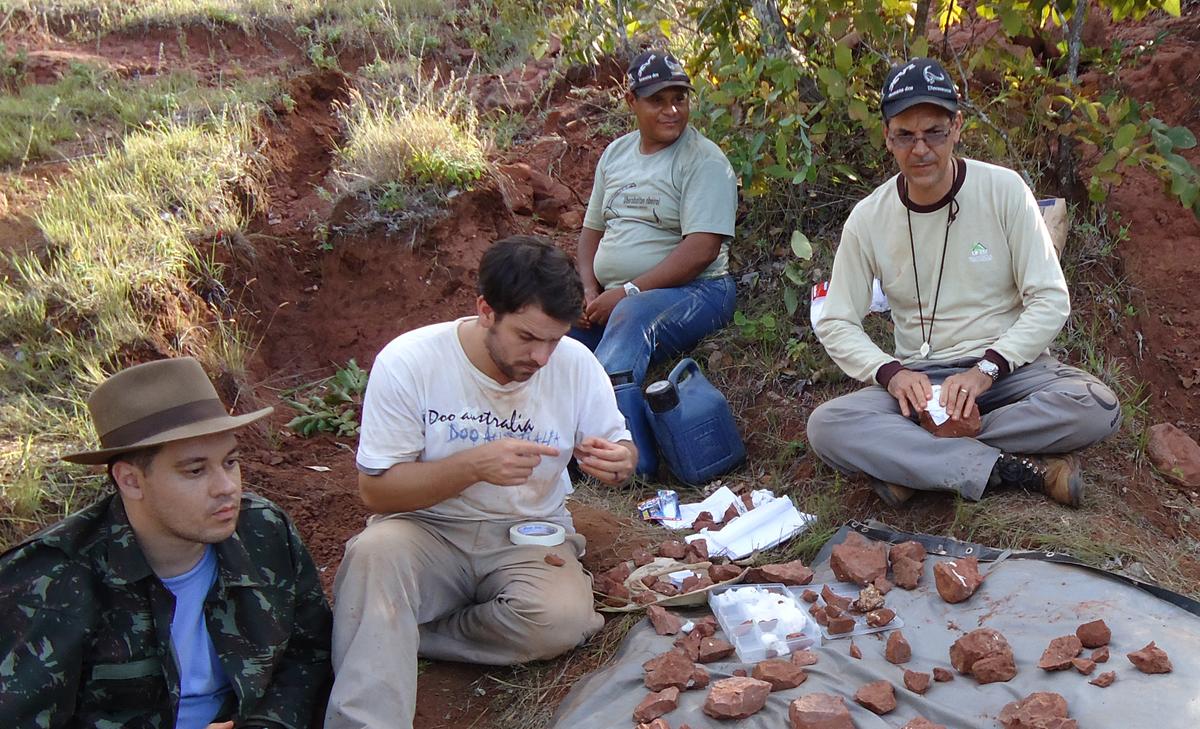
{"type": "Point", "coordinates": [951, 214]}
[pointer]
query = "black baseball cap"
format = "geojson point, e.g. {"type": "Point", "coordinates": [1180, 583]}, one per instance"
{"type": "Point", "coordinates": [652, 71]}
{"type": "Point", "coordinates": [918, 81]}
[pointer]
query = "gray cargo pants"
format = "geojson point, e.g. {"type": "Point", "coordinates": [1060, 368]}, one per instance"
{"type": "Point", "coordinates": [1042, 407]}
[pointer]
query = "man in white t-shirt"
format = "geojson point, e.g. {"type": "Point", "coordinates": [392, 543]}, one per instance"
{"type": "Point", "coordinates": [467, 428]}
{"type": "Point", "coordinates": [977, 296]}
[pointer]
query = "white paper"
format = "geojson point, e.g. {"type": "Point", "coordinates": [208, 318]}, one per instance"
{"type": "Point", "coordinates": [936, 411]}
{"type": "Point", "coordinates": [760, 528]}
{"type": "Point", "coordinates": [716, 504]}
{"type": "Point", "coordinates": [816, 306]}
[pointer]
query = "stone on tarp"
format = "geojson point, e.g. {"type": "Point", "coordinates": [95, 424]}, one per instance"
{"type": "Point", "coordinates": [877, 696]}
{"type": "Point", "coordinates": [672, 669]}
{"type": "Point", "coordinates": [1039, 710]}
{"type": "Point", "coordinates": [780, 673]}
{"type": "Point", "coordinates": [664, 621]}
{"type": "Point", "coordinates": [897, 649]}
{"type": "Point", "coordinates": [916, 681]}
{"type": "Point", "coordinates": [985, 654]}
{"type": "Point", "coordinates": [859, 560]}
{"type": "Point", "coordinates": [819, 711]}
{"type": "Point", "coordinates": [1104, 680]}
{"type": "Point", "coordinates": [1150, 659]}
{"type": "Point", "coordinates": [736, 698]}
{"type": "Point", "coordinates": [920, 722]}
{"type": "Point", "coordinates": [1094, 634]}
{"type": "Point", "coordinates": [1059, 654]}
{"type": "Point", "coordinates": [957, 579]}
{"type": "Point", "coordinates": [656, 704]}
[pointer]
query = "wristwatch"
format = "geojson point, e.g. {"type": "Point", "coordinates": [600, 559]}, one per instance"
{"type": "Point", "coordinates": [989, 368]}
{"type": "Point", "coordinates": [631, 289]}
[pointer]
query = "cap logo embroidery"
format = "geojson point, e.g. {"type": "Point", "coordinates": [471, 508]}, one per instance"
{"type": "Point", "coordinates": [906, 69]}
{"type": "Point", "coordinates": [642, 69]}
{"type": "Point", "coordinates": [931, 76]}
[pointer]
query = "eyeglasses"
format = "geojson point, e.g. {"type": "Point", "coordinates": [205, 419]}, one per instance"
{"type": "Point", "coordinates": [908, 140]}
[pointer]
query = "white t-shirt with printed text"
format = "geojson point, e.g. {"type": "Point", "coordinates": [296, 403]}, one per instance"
{"type": "Point", "coordinates": [425, 401]}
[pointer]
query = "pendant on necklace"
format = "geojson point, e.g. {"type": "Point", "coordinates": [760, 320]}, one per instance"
{"type": "Point", "coordinates": [924, 350]}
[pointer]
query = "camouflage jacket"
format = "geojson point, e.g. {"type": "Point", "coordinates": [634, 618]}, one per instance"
{"type": "Point", "coordinates": [85, 626]}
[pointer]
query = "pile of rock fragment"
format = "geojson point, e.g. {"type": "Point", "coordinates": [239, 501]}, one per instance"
{"type": "Point", "coordinates": [983, 654]}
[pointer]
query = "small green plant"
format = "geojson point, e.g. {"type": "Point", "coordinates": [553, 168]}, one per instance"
{"type": "Point", "coordinates": [764, 329]}
{"type": "Point", "coordinates": [331, 405]}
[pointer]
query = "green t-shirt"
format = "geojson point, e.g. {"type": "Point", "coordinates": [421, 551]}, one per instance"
{"type": "Point", "coordinates": [646, 203]}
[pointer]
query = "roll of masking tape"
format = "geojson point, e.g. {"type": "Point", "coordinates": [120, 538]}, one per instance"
{"type": "Point", "coordinates": [542, 533]}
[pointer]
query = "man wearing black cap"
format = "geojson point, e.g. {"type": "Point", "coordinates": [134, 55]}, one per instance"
{"type": "Point", "coordinates": [977, 296]}
{"type": "Point", "coordinates": [654, 250]}
{"type": "Point", "coordinates": [176, 602]}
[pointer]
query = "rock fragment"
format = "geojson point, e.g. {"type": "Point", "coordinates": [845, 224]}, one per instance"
{"type": "Point", "coordinates": [855, 652]}
{"type": "Point", "coordinates": [809, 596]}
{"type": "Point", "coordinates": [724, 572]}
{"type": "Point", "coordinates": [697, 551]}
{"type": "Point", "coordinates": [656, 704]}
{"type": "Point", "coordinates": [832, 598]}
{"type": "Point", "coordinates": [819, 711]}
{"type": "Point", "coordinates": [672, 670]}
{"type": "Point", "coordinates": [664, 621]}
{"type": "Point", "coordinates": [695, 583]}
{"type": "Point", "coordinates": [819, 614]}
{"type": "Point", "coordinates": [1104, 680]}
{"type": "Point", "coordinates": [792, 573]}
{"type": "Point", "coordinates": [869, 598]}
{"type": "Point", "coordinates": [920, 722]}
{"type": "Point", "coordinates": [858, 560]}
{"type": "Point", "coordinates": [1084, 665]}
{"type": "Point", "coordinates": [1175, 454]}
{"type": "Point", "coordinates": [656, 724]}
{"type": "Point", "coordinates": [672, 549]}
{"type": "Point", "coordinates": [957, 579]}
{"type": "Point", "coordinates": [700, 678]}
{"type": "Point", "coordinates": [1100, 655]}
{"type": "Point", "coordinates": [1060, 652]}
{"type": "Point", "coordinates": [897, 649]}
{"type": "Point", "coordinates": [881, 617]}
{"type": "Point", "coordinates": [1039, 710]}
{"type": "Point", "coordinates": [804, 658]}
{"type": "Point", "coordinates": [877, 696]}
{"type": "Point", "coordinates": [553, 560]}
{"type": "Point", "coordinates": [882, 584]}
{"type": "Point", "coordinates": [641, 558]}
{"type": "Point", "coordinates": [1094, 634]}
{"type": "Point", "coordinates": [916, 681]}
{"type": "Point", "coordinates": [985, 654]}
{"type": "Point", "coordinates": [942, 675]}
{"type": "Point", "coordinates": [841, 624]}
{"type": "Point", "coordinates": [780, 673]}
{"type": "Point", "coordinates": [1150, 659]}
{"type": "Point", "coordinates": [736, 698]}
{"type": "Point", "coordinates": [714, 649]}
{"type": "Point", "coordinates": [730, 514]}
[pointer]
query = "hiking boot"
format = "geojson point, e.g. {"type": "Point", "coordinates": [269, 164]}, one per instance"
{"type": "Point", "coordinates": [1058, 477]}
{"type": "Point", "coordinates": [890, 493]}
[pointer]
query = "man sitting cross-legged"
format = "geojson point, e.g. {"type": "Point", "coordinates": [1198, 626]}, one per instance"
{"type": "Point", "coordinates": [467, 429]}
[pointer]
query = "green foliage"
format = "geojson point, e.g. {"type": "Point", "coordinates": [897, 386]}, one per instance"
{"type": "Point", "coordinates": [331, 405]}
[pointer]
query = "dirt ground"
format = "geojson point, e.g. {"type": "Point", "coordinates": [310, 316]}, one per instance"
{"type": "Point", "coordinates": [314, 309]}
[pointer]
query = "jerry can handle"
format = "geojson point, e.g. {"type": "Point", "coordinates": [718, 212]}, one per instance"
{"type": "Point", "coordinates": [685, 369]}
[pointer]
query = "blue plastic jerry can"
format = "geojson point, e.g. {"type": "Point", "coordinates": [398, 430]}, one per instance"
{"type": "Point", "coordinates": [694, 426]}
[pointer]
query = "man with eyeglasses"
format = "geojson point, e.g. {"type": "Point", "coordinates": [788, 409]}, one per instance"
{"type": "Point", "coordinates": [977, 296]}
{"type": "Point", "coordinates": [654, 250]}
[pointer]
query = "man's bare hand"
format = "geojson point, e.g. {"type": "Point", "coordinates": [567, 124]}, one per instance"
{"type": "Point", "coordinates": [221, 725]}
{"type": "Point", "coordinates": [508, 461]}
{"type": "Point", "coordinates": [590, 294]}
{"type": "Point", "coordinates": [960, 391]}
{"type": "Point", "coordinates": [600, 308]}
{"type": "Point", "coordinates": [611, 463]}
{"type": "Point", "coordinates": [911, 389]}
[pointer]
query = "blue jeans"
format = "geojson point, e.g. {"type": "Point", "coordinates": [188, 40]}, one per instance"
{"type": "Point", "coordinates": [648, 328]}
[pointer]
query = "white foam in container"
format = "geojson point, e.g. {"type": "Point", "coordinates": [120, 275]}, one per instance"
{"type": "Point", "coordinates": [763, 621]}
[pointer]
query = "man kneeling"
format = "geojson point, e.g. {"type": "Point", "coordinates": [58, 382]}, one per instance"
{"type": "Point", "coordinates": [466, 432]}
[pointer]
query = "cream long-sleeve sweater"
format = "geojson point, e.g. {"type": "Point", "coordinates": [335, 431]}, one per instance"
{"type": "Point", "coordinates": [1003, 288]}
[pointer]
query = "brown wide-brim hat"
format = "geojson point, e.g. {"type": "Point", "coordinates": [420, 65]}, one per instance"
{"type": "Point", "coordinates": [155, 403]}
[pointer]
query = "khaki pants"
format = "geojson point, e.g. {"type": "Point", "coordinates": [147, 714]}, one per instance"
{"type": "Point", "coordinates": [448, 590]}
{"type": "Point", "coordinates": [1042, 407]}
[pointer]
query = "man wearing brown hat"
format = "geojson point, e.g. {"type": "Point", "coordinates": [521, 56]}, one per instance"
{"type": "Point", "coordinates": [178, 600]}
{"type": "Point", "coordinates": [654, 249]}
{"type": "Point", "coordinates": [977, 297]}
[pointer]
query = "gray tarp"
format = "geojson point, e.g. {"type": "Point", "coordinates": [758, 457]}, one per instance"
{"type": "Point", "coordinates": [1028, 600]}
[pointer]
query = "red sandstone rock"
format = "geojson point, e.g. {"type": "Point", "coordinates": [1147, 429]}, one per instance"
{"type": "Point", "coordinates": [672, 549]}
{"type": "Point", "coordinates": [664, 622]}
{"type": "Point", "coordinates": [1150, 659]}
{"type": "Point", "coordinates": [907, 572]}
{"type": "Point", "coordinates": [788, 573]}
{"type": "Point", "coordinates": [1058, 654]}
{"type": "Point", "coordinates": [703, 521]}
{"type": "Point", "coordinates": [957, 579]}
{"type": "Point", "coordinates": [736, 698]}
{"type": "Point", "coordinates": [882, 584]}
{"type": "Point", "coordinates": [646, 598]}
{"type": "Point", "coordinates": [705, 626]}
{"type": "Point", "coordinates": [714, 649]}
{"type": "Point", "coordinates": [730, 514]}
{"type": "Point", "coordinates": [658, 660]}
{"type": "Point", "coordinates": [1100, 655]}
{"type": "Point", "coordinates": [1175, 454]}
{"type": "Point", "coordinates": [809, 596]}
{"type": "Point", "coordinates": [833, 611]}
{"type": "Point", "coordinates": [920, 722]}
{"type": "Point", "coordinates": [855, 652]}
{"type": "Point", "coordinates": [869, 598]}
{"type": "Point", "coordinates": [1094, 634]}
{"type": "Point", "coordinates": [656, 704]}
{"type": "Point", "coordinates": [804, 658]}
{"type": "Point", "coordinates": [699, 677]}
{"type": "Point", "coordinates": [1104, 680]}
{"type": "Point", "coordinates": [897, 650]}
{"type": "Point", "coordinates": [690, 644]}
{"type": "Point", "coordinates": [819, 615]}
{"type": "Point", "coordinates": [843, 624]}
{"type": "Point", "coordinates": [908, 550]}
{"type": "Point", "coordinates": [832, 598]}
{"type": "Point", "coordinates": [741, 672]}
{"type": "Point", "coordinates": [724, 572]}
{"type": "Point", "coordinates": [747, 500]}
{"type": "Point", "coordinates": [780, 673]}
{"type": "Point", "coordinates": [671, 669]}
{"type": "Point", "coordinates": [649, 581]}
{"type": "Point", "coordinates": [916, 681]}
{"type": "Point", "coordinates": [665, 587]}
{"type": "Point", "coordinates": [641, 558]}
{"type": "Point", "coordinates": [877, 696]}
{"type": "Point", "coordinates": [697, 551]}
{"type": "Point", "coordinates": [554, 560]}
{"type": "Point", "coordinates": [968, 427]}
{"type": "Point", "coordinates": [858, 560]}
{"type": "Point", "coordinates": [656, 724]}
{"type": "Point", "coordinates": [985, 654]}
{"type": "Point", "coordinates": [620, 573]}
{"type": "Point", "coordinates": [881, 617]}
{"type": "Point", "coordinates": [695, 583]}
{"type": "Point", "coordinates": [1084, 665]}
{"type": "Point", "coordinates": [942, 675]}
{"type": "Point", "coordinates": [819, 711]}
{"type": "Point", "coordinates": [1039, 710]}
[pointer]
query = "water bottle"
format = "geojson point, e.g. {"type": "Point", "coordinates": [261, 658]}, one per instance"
{"type": "Point", "coordinates": [694, 426]}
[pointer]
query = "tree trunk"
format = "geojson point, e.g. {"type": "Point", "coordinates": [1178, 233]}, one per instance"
{"type": "Point", "coordinates": [1068, 173]}
{"type": "Point", "coordinates": [774, 39]}
{"type": "Point", "coordinates": [921, 22]}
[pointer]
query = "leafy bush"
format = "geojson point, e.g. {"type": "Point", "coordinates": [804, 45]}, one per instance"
{"type": "Point", "coordinates": [330, 405]}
